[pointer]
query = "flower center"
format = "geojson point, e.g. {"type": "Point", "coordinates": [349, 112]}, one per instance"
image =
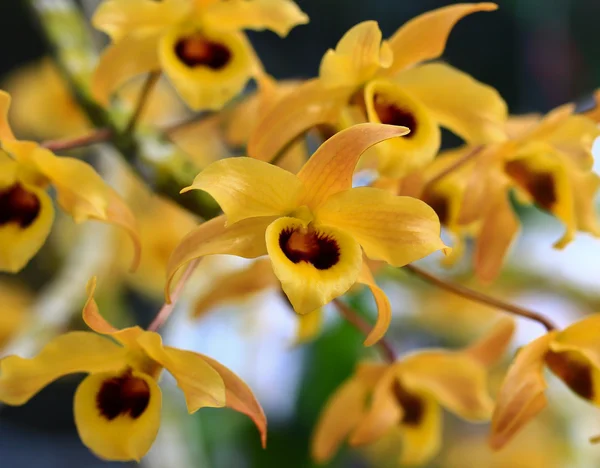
{"type": "Point", "coordinates": [123, 395]}
{"type": "Point", "coordinates": [198, 51]}
{"type": "Point", "coordinates": [439, 204]}
{"type": "Point", "coordinates": [19, 206]}
{"type": "Point", "coordinates": [574, 372]}
{"type": "Point", "coordinates": [412, 405]}
{"type": "Point", "coordinates": [306, 245]}
{"type": "Point", "coordinates": [539, 185]}
{"type": "Point", "coordinates": [392, 114]}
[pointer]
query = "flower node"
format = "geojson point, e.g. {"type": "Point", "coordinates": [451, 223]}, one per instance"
{"type": "Point", "coordinates": [123, 395]}
{"type": "Point", "coordinates": [412, 406]}
{"type": "Point", "coordinates": [321, 251]}
{"type": "Point", "coordinates": [391, 114]}
{"type": "Point", "coordinates": [540, 186]}
{"type": "Point", "coordinates": [19, 206]}
{"type": "Point", "coordinates": [198, 51]}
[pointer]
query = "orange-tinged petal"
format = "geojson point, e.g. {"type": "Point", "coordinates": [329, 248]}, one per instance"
{"type": "Point", "coordinates": [424, 37]}
{"type": "Point", "coordinates": [490, 347]}
{"type": "Point", "coordinates": [454, 379]}
{"type": "Point", "coordinates": [398, 230]}
{"type": "Point", "coordinates": [521, 396]}
{"type": "Point", "coordinates": [384, 309]}
{"type": "Point", "coordinates": [330, 169]}
{"type": "Point", "coordinates": [315, 263]}
{"type": "Point", "coordinates": [342, 412]}
{"type": "Point", "coordinates": [73, 352]}
{"type": "Point", "coordinates": [247, 188]}
{"type": "Point", "coordinates": [118, 426]}
{"type": "Point", "coordinates": [357, 57]}
{"type": "Point", "coordinates": [240, 398]}
{"type": "Point", "coordinates": [5, 131]}
{"type": "Point", "coordinates": [422, 440]}
{"type": "Point", "coordinates": [311, 104]}
{"type": "Point", "coordinates": [474, 111]}
{"type": "Point", "coordinates": [133, 55]}
{"type": "Point", "coordinates": [279, 16]}
{"type": "Point", "coordinates": [244, 239]}
{"type": "Point", "coordinates": [201, 384]}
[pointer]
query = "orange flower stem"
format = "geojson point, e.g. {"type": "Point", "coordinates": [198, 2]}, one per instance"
{"type": "Point", "coordinates": [361, 325]}
{"type": "Point", "coordinates": [142, 101]}
{"type": "Point", "coordinates": [480, 297]}
{"type": "Point", "coordinates": [166, 310]}
{"type": "Point", "coordinates": [96, 136]}
{"type": "Point", "coordinates": [457, 165]}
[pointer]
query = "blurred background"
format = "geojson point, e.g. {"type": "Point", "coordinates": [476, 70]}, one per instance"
{"type": "Point", "coordinates": [537, 54]}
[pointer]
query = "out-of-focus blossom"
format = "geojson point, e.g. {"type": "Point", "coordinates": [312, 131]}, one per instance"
{"type": "Point", "coordinates": [117, 406]}
{"type": "Point", "coordinates": [15, 302]}
{"type": "Point", "coordinates": [314, 226]}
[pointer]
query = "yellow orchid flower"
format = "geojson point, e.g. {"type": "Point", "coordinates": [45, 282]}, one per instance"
{"type": "Point", "coordinates": [573, 355]}
{"type": "Point", "coordinates": [15, 302]}
{"type": "Point", "coordinates": [367, 79]}
{"type": "Point", "coordinates": [117, 406]}
{"type": "Point", "coordinates": [26, 210]}
{"type": "Point", "coordinates": [242, 284]}
{"type": "Point", "coordinates": [314, 226]}
{"type": "Point", "coordinates": [198, 44]}
{"type": "Point", "coordinates": [406, 396]}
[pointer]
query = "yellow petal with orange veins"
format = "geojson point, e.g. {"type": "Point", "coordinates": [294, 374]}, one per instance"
{"type": "Point", "coordinates": [521, 395]}
{"type": "Point", "coordinates": [279, 16]}
{"type": "Point", "coordinates": [309, 326]}
{"type": "Point", "coordinates": [421, 434]}
{"type": "Point", "coordinates": [198, 380]}
{"type": "Point", "coordinates": [117, 414]}
{"type": "Point", "coordinates": [133, 55]}
{"type": "Point", "coordinates": [310, 105]}
{"type": "Point", "coordinates": [117, 18]}
{"type": "Point", "coordinates": [73, 352]}
{"type": "Point", "coordinates": [384, 309]}
{"type": "Point", "coordinates": [454, 379]}
{"type": "Point", "coordinates": [247, 188]}
{"type": "Point", "coordinates": [331, 168]}
{"type": "Point", "coordinates": [474, 111]}
{"type": "Point", "coordinates": [342, 412]}
{"type": "Point", "coordinates": [398, 230]}
{"type": "Point", "coordinates": [357, 57]}
{"type": "Point", "coordinates": [424, 37]}
{"type": "Point", "coordinates": [243, 239]}
{"type": "Point", "coordinates": [240, 398]}
{"type": "Point", "coordinates": [207, 68]}
{"type": "Point", "coordinates": [491, 347]}
{"type": "Point", "coordinates": [5, 131]}
{"type": "Point", "coordinates": [314, 263]}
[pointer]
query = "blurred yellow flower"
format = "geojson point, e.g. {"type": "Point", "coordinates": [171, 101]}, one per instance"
{"type": "Point", "coordinates": [314, 226]}
{"type": "Point", "coordinates": [15, 302]}
{"type": "Point", "coordinates": [366, 79]}
{"type": "Point", "coordinates": [26, 210]}
{"type": "Point", "coordinates": [199, 45]}
{"type": "Point", "coordinates": [405, 397]}
{"type": "Point", "coordinates": [117, 406]}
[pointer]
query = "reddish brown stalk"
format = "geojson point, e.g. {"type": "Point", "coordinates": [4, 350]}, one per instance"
{"type": "Point", "coordinates": [142, 101]}
{"type": "Point", "coordinates": [456, 165]}
{"type": "Point", "coordinates": [96, 136]}
{"type": "Point", "coordinates": [480, 297]}
{"type": "Point", "coordinates": [361, 325]}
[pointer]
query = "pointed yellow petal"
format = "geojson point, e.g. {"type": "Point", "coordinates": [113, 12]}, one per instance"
{"type": "Point", "coordinates": [309, 326]}
{"type": "Point", "coordinates": [240, 398]}
{"type": "Point", "coordinates": [398, 230]}
{"type": "Point", "coordinates": [424, 37]}
{"type": "Point", "coordinates": [207, 68]}
{"type": "Point", "coordinates": [247, 188]}
{"type": "Point", "coordinates": [117, 18]}
{"type": "Point", "coordinates": [74, 352]}
{"type": "Point", "coordinates": [454, 379]}
{"type": "Point", "coordinates": [279, 16]}
{"type": "Point", "coordinates": [315, 263]}
{"type": "Point", "coordinates": [133, 55]}
{"type": "Point", "coordinates": [472, 110]}
{"type": "Point", "coordinates": [581, 337]}
{"type": "Point", "coordinates": [330, 169]}
{"type": "Point", "coordinates": [490, 347]}
{"type": "Point", "coordinates": [311, 104]}
{"type": "Point", "coordinates": [521, 396]}
{"type": "Point", "coordinates": [422, 439]}
{"type": "Point", "coordinates": [5, 131]}
{"type": "Point", "coordinates": [244, 239]}
{"type": "Point", "coordinates": [118, 414]}
{"type": "Point", "coordinates": [357, 57]}
{"type": "Point", "coordinates": [340, 416]}
{"type": "Point", "coordinates": [384, 309]}
{"type": "Point", "coordinates": [198, 380]}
